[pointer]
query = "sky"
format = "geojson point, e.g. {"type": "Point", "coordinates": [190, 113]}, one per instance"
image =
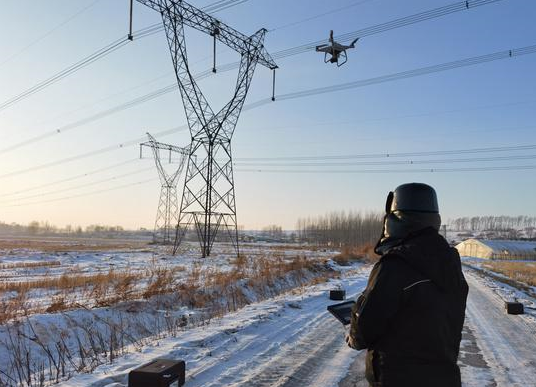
{"type": "Point", "coordinates": [481, 106]}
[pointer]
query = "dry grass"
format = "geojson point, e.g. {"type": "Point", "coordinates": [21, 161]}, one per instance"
{"type": "Point", "coordinates": [293, 247]}
{"type": "Point", "coordinates": [65, 245]}
{"type": "Point", "coordinates": [218, 291]}
{"type": "Point", "coordinates": [28, 265]}
{"type": "Point", "coordinates": [363, 253]}
{"type": "Point", "coordinates": [70, 281]}
{"type": "Point", "coordinates": [518, 271]}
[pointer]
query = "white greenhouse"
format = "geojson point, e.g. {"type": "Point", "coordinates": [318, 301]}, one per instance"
{"type": "Point", "coordinates": [497, 249]}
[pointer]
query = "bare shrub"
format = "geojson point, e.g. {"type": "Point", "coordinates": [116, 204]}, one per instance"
{"type": "Point", "coordinates": [364, 253]}
{"type": "Point", "coordinates": [160, 282]}
{"type": "Point", "coordinates": [58, 304]}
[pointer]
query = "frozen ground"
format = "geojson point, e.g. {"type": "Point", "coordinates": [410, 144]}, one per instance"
{"type": "Point", "coordinates": [19, 264]}
{"type": "Point", "coordinates": [287, 341]}
{"type": "Point", "coordinates": [501, 347]}
{"type": "Point", "coordinates": [292, 341]}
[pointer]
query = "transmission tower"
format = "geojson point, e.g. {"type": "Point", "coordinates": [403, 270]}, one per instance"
{"type": "Point", "coordinates": [208, 200]}
{"type": "Point", "coordinates": [167, 214]}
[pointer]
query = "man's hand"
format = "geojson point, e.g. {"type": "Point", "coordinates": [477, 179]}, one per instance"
{"type": "Point", "coordinates": [350, 341]}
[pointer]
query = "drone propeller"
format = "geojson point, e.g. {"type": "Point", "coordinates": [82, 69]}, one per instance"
{"type": "Point", "coordinates": [331, 36]}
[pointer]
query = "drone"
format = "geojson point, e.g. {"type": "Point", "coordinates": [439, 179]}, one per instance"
{"type": "Point", "coordinates": [336, 50]}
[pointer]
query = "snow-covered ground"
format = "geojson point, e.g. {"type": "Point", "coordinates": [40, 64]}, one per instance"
{"type": "Point", "coordinates": [83, 336]}
{"type": "Point", "coordinates": [27, 265]}
{"type": "Point", "coordinates": [506, 344]}
{"type": "Point", "coordinates": [291, 340]}
{"type": "Point", "coordinates": [504, 289]}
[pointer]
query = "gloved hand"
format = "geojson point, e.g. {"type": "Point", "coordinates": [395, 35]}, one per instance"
{"type": "Point", "coordinates": [350, 342]}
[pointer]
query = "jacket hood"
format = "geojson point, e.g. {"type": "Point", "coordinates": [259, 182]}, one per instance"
{"type": "Point", "coordinates": [429, 253]}
{"type": "Point", "coordinates": [399, 225]}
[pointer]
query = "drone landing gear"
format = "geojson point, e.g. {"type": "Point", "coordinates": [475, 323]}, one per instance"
{"type": "Point", "coordinates": [338, 57]}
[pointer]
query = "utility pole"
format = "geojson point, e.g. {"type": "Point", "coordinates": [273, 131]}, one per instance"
{"type": "Point", "coordinates": [167, 214]}
{"type": "Point", "coordinates": [208, 201]}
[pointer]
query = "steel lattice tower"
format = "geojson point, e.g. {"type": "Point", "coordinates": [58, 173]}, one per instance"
{"type": "Point", "coordinates": [208, 200]}
{"type": "Point", "coordinates": [167, 214]}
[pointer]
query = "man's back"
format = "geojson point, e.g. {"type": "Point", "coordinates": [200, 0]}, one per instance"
{"type": "Point", "coordinates": [413, 313]}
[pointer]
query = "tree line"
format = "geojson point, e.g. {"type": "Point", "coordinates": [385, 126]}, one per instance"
{"type": "Point", "coordinates": [45, 228]}
{"type": "Point", "coordinates": [493, 223]}
{"type": "Point", "coordinates": [341, 229]}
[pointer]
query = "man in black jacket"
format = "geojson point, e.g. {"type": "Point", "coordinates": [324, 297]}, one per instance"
{"type": "Point", "coordinates": [410, 316]}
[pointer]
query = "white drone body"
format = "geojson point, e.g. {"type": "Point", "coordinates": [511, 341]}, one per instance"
{"type": "Point", "coordinates": [336, 50]}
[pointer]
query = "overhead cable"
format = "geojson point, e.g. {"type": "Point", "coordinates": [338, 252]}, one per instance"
{"type": "Point", "coordinates": [500, 55]}
{"type": "Point", "coordinates": [100, 53]}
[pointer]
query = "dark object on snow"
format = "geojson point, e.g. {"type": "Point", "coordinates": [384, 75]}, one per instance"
{"type": "Point", "coordinates": [337, 294]}
{"type": "Point", "coordinates": [342, 311]}
{"type": "Point", "coordinates": [514, 307]}
{"type": "Point", "coordinates": [158, 373]}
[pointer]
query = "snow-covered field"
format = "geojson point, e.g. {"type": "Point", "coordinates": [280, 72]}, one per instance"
{"type": "Point", "coordinates": [289, 340]}
{"type": "Point", "coordinates": [286, 338]}
{"type": "Point", "coordinates": [292, 341]}
{"type": "Point", "coordinates": [189, 292]}
{"type": "Point", "coordinates": [21, 265]}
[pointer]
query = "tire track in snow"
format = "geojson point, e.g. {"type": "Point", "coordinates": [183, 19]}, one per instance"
{"type": "Point", "coordinates": [507, 342]}
{"type": "Point", "coordinates": [288, 356]}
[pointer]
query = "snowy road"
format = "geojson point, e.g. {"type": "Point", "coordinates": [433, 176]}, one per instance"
{"type": "Point", "coordinates": [292, 341]}
{"type": "Point", "coordinates": [506, 343]}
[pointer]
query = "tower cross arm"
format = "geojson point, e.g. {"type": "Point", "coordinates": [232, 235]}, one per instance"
{"type": "Point", "coordinates": [202, 21]}
{"type": "Point", "coordinates": [160, 145]}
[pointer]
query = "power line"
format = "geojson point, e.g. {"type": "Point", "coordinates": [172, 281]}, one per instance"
{"type": "Point", "coordinates": [48, 33]}
{"type": "Point", "coordinates": [362, 171]}
{"type": "Point", "coordinates": [155, 28]}
{"type": "Point", "coordinates": [437, 12]}
{"type": "Point", "coordinates": [513, 148]}
{"type": "Point", "coordinates": [465, 62]}
{"type": "Point", "coordinates": [390, 171]}
{"type": "Point", "coordinates": [115, 45]}
{"type": "Point", "coordinates": [392, 162]}
{"type": "Point", "coordinates": [100, 53]}
{"type": "Point", "coordinates": [402, 75]}
{"type": "Point", "coordinates": [170, 131]}
{"type": "Point", "coordinates": [390, 25]}
{"type": "Point", "coordinates": [317, 16]}
{"type": "Point", "coordinates": [68, 179]}
{"type": "Point", "coordinates": [318, 163]}
{"type": "Point", "coordinates": [456, 7]}
{"type": "Point", "coordinates": [83, 194]}
{"type": "Point", "coordinates": [93, 183]}
{"type": "Point", "coordinates": [500, 55]}
{"type": "Point", "coordinates": [106, 149]}
{"type": "Point", "coordinates": [422, 71]}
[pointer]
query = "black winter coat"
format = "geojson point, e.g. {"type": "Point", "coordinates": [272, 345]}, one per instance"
{"type": "Point", "coordinates": [411, 315]}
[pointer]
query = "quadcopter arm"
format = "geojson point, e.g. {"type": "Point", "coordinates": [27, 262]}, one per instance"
{"type": "Point", "coordinates": [352, 45]}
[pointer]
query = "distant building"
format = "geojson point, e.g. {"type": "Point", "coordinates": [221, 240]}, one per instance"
{"type": "Point", "coordinates": [497, 249]}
